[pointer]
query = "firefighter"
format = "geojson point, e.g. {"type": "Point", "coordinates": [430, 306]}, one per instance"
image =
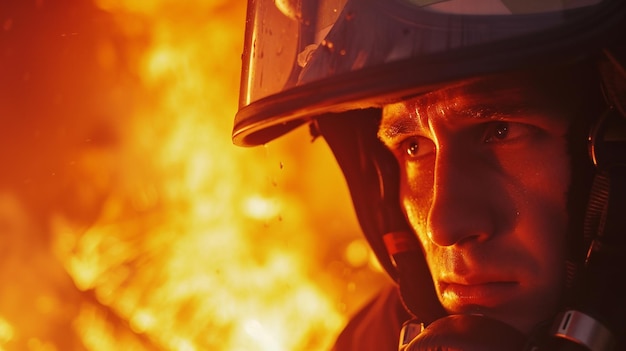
{"type": "Point", "coordinates": [484, 145]}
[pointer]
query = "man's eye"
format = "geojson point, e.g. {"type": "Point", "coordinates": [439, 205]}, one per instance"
{"type": "Point", "coordinates": [416, 147]}
{"type": "Point", "coordinates": [496, 132]}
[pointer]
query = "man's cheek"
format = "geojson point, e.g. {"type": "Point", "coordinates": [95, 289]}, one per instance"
{"type": "Point", "coordinates": [416, 210]}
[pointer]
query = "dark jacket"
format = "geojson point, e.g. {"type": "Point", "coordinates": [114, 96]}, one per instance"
{"type": "Point", "coordinates": [376, 326]}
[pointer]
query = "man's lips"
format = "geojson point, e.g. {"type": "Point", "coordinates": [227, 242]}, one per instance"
{"type": "Point", "coordinates": [484, 292]}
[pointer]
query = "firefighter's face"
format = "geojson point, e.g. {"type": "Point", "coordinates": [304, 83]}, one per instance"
{"type": "Point", "coordinates": [484, 176]}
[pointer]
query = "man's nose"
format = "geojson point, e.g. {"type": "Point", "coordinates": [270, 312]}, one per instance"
{"type": "Point", "coordinates": [464, 205]}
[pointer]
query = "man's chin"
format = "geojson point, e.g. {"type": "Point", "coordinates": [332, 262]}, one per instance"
{"type": "Point", "coordinates": [520, 321]}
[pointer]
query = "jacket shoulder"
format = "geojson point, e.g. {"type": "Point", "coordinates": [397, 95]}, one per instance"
{"type": "Point", "coordinates": [376, 326]}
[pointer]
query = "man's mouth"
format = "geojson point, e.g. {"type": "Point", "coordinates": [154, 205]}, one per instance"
{"type": "Point", "coordinates": [461, 295]}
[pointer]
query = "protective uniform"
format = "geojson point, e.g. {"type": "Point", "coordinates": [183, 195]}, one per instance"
{"type": "Point", "coordinates": [334, 63]}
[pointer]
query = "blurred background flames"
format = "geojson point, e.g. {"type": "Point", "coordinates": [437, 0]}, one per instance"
{"type": "Point", "coordinates": [129, 221]}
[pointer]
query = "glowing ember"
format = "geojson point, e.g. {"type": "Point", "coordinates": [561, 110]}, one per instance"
{"type": "Point", "coordinates": [161, 235]}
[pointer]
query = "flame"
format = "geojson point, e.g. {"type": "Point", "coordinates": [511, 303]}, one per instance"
{"type": "Point", "coordinates": [165, 235]}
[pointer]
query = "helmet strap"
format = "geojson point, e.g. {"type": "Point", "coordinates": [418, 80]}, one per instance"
{"type": "Point", "coordinates": [595, 307]}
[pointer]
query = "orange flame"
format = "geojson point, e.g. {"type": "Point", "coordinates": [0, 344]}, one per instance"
{"type": "Point", "coordinates": [192, 243]}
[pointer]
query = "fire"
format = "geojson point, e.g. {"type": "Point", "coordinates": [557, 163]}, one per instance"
{"type": "Point", "coordinates": [161, 235]}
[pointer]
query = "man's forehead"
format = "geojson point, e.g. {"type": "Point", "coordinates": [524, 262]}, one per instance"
{"type": "Point", "coordinates": [470, 99]}
{"type": "Point", "coordinates": [496, 92]}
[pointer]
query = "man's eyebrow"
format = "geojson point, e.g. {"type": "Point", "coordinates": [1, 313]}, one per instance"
{"type": "Point", "coordinates": [491, 112]}
{"type": "Point", "coordinates": [399, 125]}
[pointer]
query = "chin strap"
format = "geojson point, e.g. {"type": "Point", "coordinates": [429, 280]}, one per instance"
{"type": "Point", "coordinates": [414, 279]}
{"type": "Point", "coordinates": [594, 320]}
{"type": "Point", "coordinates": [598, 309]}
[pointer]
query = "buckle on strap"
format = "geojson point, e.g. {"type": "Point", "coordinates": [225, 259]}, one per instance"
{"type": "Point", "coordinates": [584, 330]}
{"type": "Point", "coordinates": [410, 330]}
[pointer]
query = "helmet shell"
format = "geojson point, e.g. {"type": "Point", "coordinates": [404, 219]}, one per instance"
{"type": "Point", "coordinates": [302, 59]}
